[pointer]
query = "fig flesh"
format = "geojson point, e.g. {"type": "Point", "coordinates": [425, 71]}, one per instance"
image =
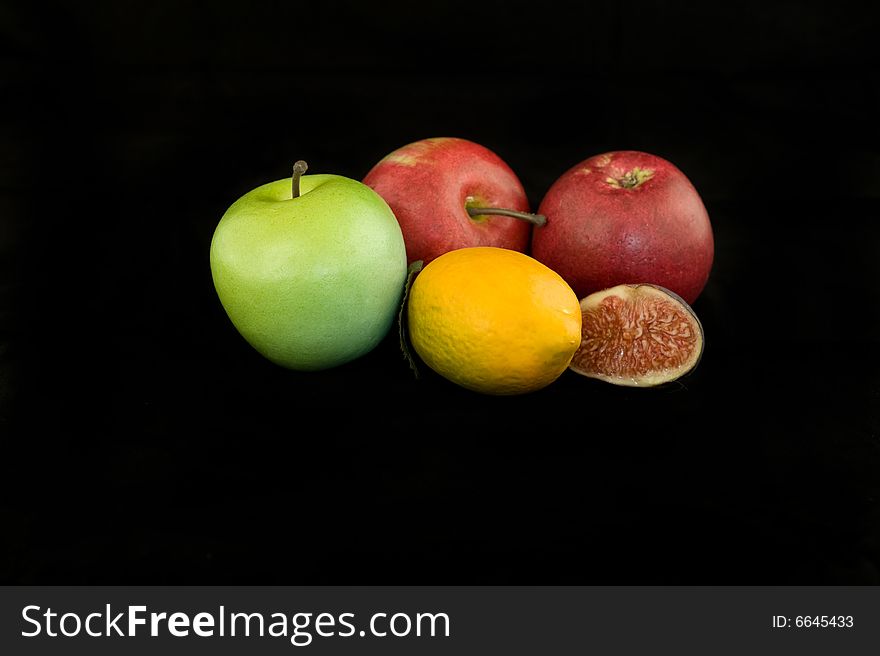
{"type": "Point", "coordinates": [637, 335]}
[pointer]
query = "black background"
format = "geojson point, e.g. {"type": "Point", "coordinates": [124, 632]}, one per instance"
{"type": "Point", "coordinates": [143, 441]}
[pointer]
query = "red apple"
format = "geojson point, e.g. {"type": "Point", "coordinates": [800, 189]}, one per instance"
{"type": "Point", "coordinates": [449, 193]}
{"type": "Point", "coordinates": [626, 217]}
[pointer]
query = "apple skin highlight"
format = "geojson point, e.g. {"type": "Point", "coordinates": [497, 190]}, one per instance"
{"type": "Point", "coordinates": [626, 217]}
{"type": "Point", "coordinates": [430, 183]}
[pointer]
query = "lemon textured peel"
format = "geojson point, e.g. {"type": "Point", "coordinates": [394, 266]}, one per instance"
{"type": "Point", "coordinates": [493, 320]}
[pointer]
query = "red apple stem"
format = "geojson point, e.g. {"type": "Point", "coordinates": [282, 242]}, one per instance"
{"type": "Point", "coordinates": [536, 219]}
{"type": "Point", "coordinates": [298, 169]}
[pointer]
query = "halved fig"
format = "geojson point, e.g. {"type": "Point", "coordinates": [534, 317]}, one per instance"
{"type": "Point", "coordinates": [637, 335]}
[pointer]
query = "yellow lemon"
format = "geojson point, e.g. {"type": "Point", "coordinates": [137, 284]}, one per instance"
{"type": "Point", "coordinates": [493, 320]}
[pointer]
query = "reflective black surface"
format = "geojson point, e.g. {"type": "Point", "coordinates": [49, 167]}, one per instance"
{"type": "Point", "coordinates": [143, 441]}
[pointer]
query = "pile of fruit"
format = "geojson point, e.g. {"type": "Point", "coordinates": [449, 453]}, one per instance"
{"type": "Point", "coordinates": [313, 270]}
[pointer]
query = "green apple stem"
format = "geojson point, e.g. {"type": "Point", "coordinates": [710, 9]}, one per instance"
{"type": "Point", "coordinates": [298, 169]}
{"type": "Point", "coordinates": [537, 219]}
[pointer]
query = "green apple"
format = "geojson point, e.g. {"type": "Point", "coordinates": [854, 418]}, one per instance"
{"type": "Point", "coordinates": [310, 269]}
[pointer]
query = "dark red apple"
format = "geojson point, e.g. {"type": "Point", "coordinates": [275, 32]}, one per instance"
{"type": "Point", "coordinates": [449, 193]}
{"type": "Point", "coordinates": [625, 217]}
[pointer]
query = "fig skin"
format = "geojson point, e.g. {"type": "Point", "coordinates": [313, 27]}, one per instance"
{"type": "Point", "coordinates": [639, 296]}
